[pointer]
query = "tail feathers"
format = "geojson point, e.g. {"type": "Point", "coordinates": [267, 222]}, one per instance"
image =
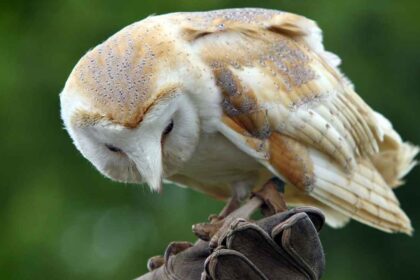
{"type": "Point", "coordinates": [393, 165]}
{"type": "Point", "coordinates": [333, 218]}
{"type": "Point", "coordinates": [406, 160]}
{"type": "Point", "coordinates": [395, 157]}
{"type": "Point", "coordinates": [362, 195]}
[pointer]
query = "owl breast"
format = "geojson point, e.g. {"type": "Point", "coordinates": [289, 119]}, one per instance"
{"type": "Point", "coordinates": [217, 163]}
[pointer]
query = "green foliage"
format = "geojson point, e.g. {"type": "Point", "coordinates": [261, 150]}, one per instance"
{"type": "Point", "coordinates": [60, 219]}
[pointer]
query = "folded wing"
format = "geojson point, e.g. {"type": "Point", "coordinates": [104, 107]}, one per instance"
{"type": "Point", "coordinates": [286, 103]}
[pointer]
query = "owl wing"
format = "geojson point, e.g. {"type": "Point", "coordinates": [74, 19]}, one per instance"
{"type": "Point", "coordinates": [286, 104]}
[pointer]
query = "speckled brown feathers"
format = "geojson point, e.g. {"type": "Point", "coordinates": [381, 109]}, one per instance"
{"type": "Point", "coordinates": [283, 88]}
{"type": "Point", "coordinates": [290, 76]}
{"type": "Point", "coordinates": [120, 76]}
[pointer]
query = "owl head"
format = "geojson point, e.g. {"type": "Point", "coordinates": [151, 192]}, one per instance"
{"type": "Point", "coordinates": [126, 107]}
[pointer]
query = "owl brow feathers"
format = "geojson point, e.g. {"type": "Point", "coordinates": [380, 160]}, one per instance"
{"type": "Point", "coordinates": [83, 118]}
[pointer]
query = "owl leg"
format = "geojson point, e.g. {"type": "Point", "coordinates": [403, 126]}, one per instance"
{"type": "Point", "coordinates": [269, 199]}
{"type": "Point", "coordinates": [210, 231]}
{"type": "Point", "coordinates": [241, 191]}
{"type": "Point", "coordinates": [232, 204]}
{"type": "Point", "coordinates": [272, 194]}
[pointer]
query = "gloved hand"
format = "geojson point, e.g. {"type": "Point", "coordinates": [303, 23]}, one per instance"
{"type": "Point", "coordinates": [283, 246]}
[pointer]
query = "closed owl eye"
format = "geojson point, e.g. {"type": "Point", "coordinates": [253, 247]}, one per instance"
{"type": "Point", "coordinates": [113, 149]}
{"type": "Point", "coordinates": [168, 128]}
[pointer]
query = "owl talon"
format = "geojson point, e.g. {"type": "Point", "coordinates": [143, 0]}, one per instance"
{"type": "Point", "coordinates": [220, 233]}
{"type": "Point", "coordinates": [205, 231]}
{"type": "Point", "coordinates": [215, 218]}
{"type": "Point", "coordinates": [214, 231]}
{"type": "Point", "coordinates": [272, 196]}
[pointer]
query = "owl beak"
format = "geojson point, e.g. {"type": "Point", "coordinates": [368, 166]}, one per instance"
{"type": "Point", "coordinates": [148, 160]}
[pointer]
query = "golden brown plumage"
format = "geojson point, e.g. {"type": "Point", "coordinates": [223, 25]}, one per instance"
{"type": "Point", "coordinates": [272, 90]}
{"type": "Point", "coordinates": [282, 87]}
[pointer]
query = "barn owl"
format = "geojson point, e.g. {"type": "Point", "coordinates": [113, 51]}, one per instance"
{"type": "Point", "coordinates": [221, 101]}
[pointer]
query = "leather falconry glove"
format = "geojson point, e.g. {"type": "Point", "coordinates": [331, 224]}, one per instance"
{"type": "Point", "coordinates": [283, 246]}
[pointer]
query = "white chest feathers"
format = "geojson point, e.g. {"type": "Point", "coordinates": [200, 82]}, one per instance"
{"type": "Point", "coordinates": [216, 159]}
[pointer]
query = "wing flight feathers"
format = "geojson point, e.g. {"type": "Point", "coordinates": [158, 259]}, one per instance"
{"type": "Point", "coordinates": [280, 87]}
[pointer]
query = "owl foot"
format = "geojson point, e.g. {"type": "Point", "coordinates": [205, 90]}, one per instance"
{"type": "Point", "coordinates": [214, 230]}
{"type": "Point", "coordinates": [205, 231]}
{"type": "Point", "coordinates": [272, 194]}
{"type": "Point", "coordinates": [270, 199]}
{"type": "Point", "coordinates": [233, 203]}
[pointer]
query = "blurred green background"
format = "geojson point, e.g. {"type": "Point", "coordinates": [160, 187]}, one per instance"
{"type": "Point", "coordinates": [60, 219]}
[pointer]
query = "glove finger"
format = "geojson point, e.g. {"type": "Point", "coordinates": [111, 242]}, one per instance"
{"type": "Point", "coordinates": [172, 249]}
{"type": "Point", "coordinates": [315, 215]}
{"type": "Point", "coordinates": [188, 264]}
{"type": "Point", "coordinates": [225, 264]}
{"type": "Point", "coordinates": [258, 247]}
{"type": "Point", "coordinates": [155, 262]}
{"type": "Point", "coordinates": [299, 238]}
{"type": "Point", "coordinates": [176, 247]}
